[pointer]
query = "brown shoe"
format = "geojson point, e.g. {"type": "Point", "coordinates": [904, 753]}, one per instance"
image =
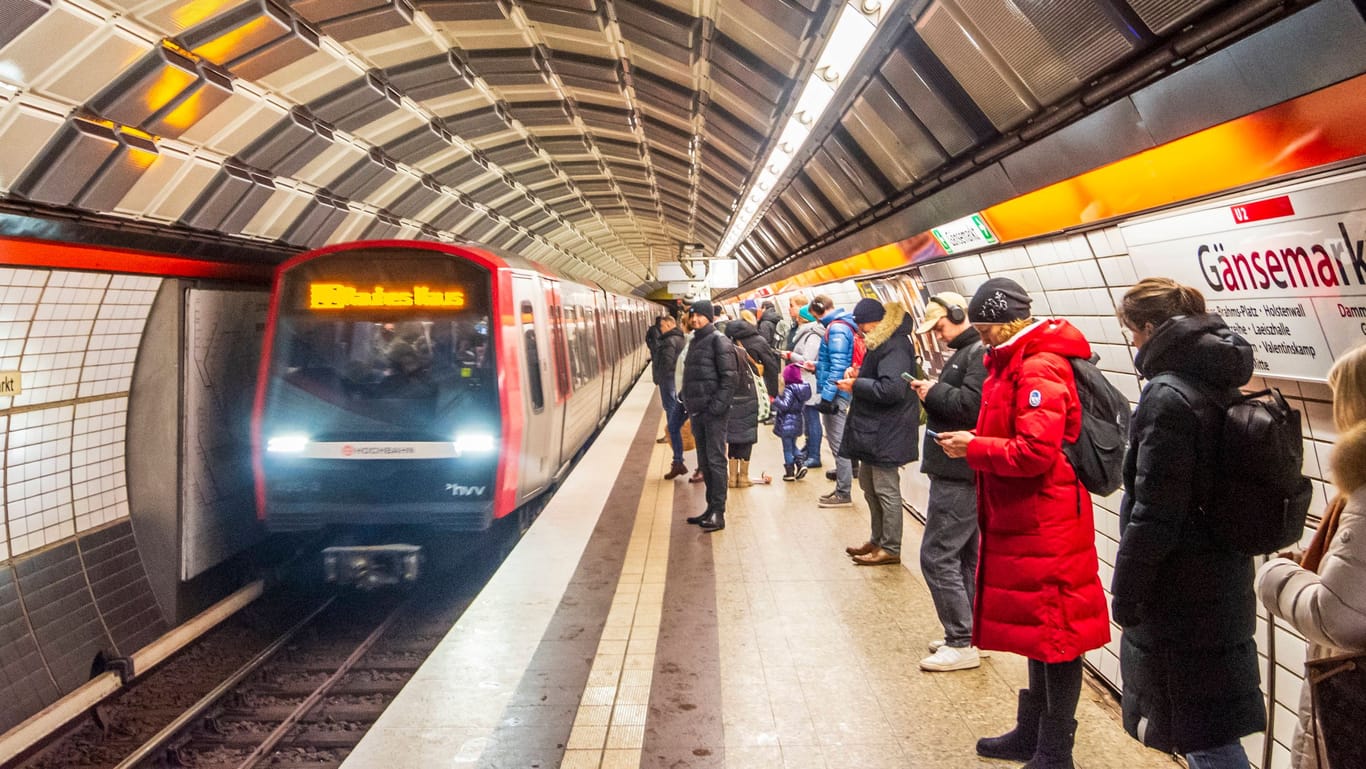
{"type": "Point", "coordinates": [676, 470]}
{"type": "Point", "coordinates": [696, 476]}
{"type": "Point", "coordinates": [864, 549]}
{"type": "Point", "coordinates": [878, 557]}
{"type": "Point", "coordinates": [662, 439]}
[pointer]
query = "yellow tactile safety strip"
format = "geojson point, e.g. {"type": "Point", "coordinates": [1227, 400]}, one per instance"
{"type": "Point", "coordinates": [609, 729]}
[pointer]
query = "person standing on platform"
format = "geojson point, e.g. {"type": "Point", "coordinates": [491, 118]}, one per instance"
{"type": "Point", "coordinates": [1323, 596]}
{"type": "Point", "coordinates": [787, 329]}
{"type": "Point", "coordinates": [662, 365]}
{"type": "Point", "coordinates": [768, 326]}
{"type": "Point", "coordinates": [709, 378]}
{"type": "Point", "coordinates": [806, 349]}
{"type": "Point", "coordinates": [1038, 590]}
{"type": "Point", "coordinates": [790, 413]}
{"type": "Point", "coordinates": [836, 356]}
{"type": "Point", "coordinates": [653, 334]}
{"type": "Point", "coordinates": [744, 333]}
{"type": "Point", "coordinates": [742, 426]}
{"type": "Point", "coordinates": [1184, 598]}
{"type": "Point", "coordinates": [948, 549]}
{"type": "Point", "coordinates": [883, 428]}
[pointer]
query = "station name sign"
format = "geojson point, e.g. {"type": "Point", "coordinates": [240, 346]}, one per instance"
{"type": "Point", "coordinates": [338, 296]}
{"type": "Point", "coordinates": [966, 234]}
{"type": "Point", "coordinates": [1286, 271]}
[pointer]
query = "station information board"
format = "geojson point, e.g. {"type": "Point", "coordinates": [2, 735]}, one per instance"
{"type": "Point", "coordinates": [1285, 268]}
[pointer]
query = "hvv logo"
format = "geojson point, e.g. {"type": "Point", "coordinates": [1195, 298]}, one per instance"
{"type": "Point", "coordinates": [457, 490]}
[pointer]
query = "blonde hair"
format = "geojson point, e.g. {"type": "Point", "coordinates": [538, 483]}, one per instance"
{"type": "Point", "coordinates": [1010, 328]}
{"type": "Point", "coordinates": [1348, 380]}
{"type": "Point", "coordinates": [1157, 300]}
{"type": "Point", "coordinates": [748, 315]}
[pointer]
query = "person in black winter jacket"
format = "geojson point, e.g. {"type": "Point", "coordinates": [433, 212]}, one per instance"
{"type": "Point", "coordinates": [768, 327]}
{"type": "Point", "coordinates": [709, 382]}
{"type": "Point", "coordinates": [948, 549]}
{"type": "Point", "coordinates": [1184, 598]}
{"type": "Point", "coordinates": [662, 365]}
{"type": "Point", "coordinates": [883, 428]}
{"type": "Point", "coordinates": [747, 336]}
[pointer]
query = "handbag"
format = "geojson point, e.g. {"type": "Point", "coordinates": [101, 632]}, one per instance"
{"type": "Point", "coordinates": [1337, 689]}
{"type": "Point", "coordinates": [689, 443]}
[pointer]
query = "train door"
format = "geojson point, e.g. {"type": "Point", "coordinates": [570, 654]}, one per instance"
{"type": "Point", "coordinates": [538, 394]}
{"type": "Point", "coordinates": [561, 362]}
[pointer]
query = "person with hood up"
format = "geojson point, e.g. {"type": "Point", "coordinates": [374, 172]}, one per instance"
{"type": "Point", "coordinates": [789, 410]}
{"type": "Point", "coordinates": [806, 348]}
{"type": "Point", "coordinates": [1182, 596]}
{"type": "Point", "coordinates": [744, 333]}
{"type": "Point", "coordinates": [883, 429]}
{"type": "Point", "coordinates": [768, 324]}
{"type": "Point", "coordinates": [1038, 592]}
{"type": "Point", "coordinates": [1324, 595]}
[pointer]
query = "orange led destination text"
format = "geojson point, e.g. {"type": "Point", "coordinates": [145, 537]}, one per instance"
{"type": "Point", "coordinates": [335, 296]}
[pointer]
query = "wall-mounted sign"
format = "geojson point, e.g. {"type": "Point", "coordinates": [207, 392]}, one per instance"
{"type": "Point", "coordinates": [337, 296]}
{"type": "Point", "coordinates": [686, 289]}
{"type": "Point", "coordinates": [966, 234]}
{"type": "Point", "coordinates": [10, 383]}
{"type": "Point", "coordinates": [1288, 272]}
{"type": "Point", "coordinates": [716, 273]}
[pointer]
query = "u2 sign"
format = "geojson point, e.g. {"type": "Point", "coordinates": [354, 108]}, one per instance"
{"type": "Point", "coordinates": [1285, 267]}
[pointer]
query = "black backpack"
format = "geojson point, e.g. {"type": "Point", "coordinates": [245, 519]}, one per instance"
{"type": "Point", "coordinates": [1097, 456]}
{"type": "Point", "coordinates": [1259, 498]}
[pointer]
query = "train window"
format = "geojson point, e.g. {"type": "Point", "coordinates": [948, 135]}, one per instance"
{"type": "Point", "coordinates": [533, 359]}
{"type": "Point", "coordinates": [558, 342]}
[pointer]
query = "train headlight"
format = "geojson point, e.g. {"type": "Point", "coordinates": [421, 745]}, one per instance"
{"type": "Point", "coordinates": [288, 444]}
{"type": "Point", "coordinates": [473, 443]}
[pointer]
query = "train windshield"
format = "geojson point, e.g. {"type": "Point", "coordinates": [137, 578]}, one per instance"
{"type": "Point", "coordinates": [382, 347]}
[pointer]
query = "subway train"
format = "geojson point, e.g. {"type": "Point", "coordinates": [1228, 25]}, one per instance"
{"type": "Point", "coordinates": [416, 387]}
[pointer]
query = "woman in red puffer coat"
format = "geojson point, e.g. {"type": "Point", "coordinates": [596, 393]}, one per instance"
{"type": "Point", "coordinates": [1038, 592]}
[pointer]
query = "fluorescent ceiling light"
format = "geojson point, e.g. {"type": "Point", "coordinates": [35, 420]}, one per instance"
{"type": "Point", "coordinates": [858, 20]}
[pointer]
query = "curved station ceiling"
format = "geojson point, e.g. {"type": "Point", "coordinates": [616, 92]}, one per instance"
{"type": "Point", "coordinates": [598, 137]}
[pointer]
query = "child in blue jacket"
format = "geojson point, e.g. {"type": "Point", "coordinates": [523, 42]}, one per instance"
{"type": "Point", "coordinates": [788, 419]}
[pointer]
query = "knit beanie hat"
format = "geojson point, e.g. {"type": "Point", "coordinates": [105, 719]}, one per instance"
{"type": "Point", "coordinates": [805, 314]}
{"type": "Point", "coordinates": [703, 308]}
{"type": "Point", "coordinates": [868, 311]}
{"type": "Point", "coordinates": [792, 373]}
{"type": "Point", "coordinates": [999, 300]}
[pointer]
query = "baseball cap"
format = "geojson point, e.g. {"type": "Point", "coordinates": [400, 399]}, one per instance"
{"type": "Point", "coordinates": [935, 310]}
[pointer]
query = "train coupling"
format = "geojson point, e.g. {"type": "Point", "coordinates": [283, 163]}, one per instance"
{"type": "Point", "coordinates": [372, 566]}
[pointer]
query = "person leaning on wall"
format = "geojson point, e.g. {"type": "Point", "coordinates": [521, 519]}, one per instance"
{"type": "Point", "coordinates": [1038, 591]}
{"type": "Point", "coordinates": [1324, 595]}
{"type": "Point", "coordinates": [1182, 595]}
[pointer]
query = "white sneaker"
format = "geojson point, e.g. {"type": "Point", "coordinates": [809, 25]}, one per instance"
{"type": "Point", "coordinates": [952, 658]}
{"type": "Point", "coordinates": [938, 642]}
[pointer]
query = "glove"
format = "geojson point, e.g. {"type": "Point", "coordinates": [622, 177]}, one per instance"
{"type": "Point", "coordinates": [826, 407]}
{"type": "Point", "coordinates": [1126, 613]}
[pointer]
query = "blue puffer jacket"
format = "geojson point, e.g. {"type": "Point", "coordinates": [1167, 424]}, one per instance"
{"type": "Point", "coordinates": [788, 421]}
{"type": "Point", "coordinates": [837, 353]}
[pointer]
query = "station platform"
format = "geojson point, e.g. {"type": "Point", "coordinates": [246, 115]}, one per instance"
{"type": "Point", "coordinates": [618, 636]}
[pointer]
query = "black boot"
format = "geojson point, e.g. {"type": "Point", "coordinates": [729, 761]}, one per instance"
{"type": "Point", "coordinates": [789, 472]}
{"type": "Point", "coordinates": [1056, 735]}
{"type": "Point", "coordinates": [713, 522]}
{"type": "Point", "coordinates": [1019, 743]}
{"type": "Point", "coordinates": [699, 518]}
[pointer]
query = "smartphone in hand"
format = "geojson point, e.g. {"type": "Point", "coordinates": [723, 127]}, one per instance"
{"type": "Point", "coordinates": [933, 435]}
{"type": "Point", "coordinates": [908, 376]}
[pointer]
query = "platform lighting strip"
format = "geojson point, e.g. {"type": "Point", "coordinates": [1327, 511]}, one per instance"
{"type": "Point", "coordinates": [858, 21]}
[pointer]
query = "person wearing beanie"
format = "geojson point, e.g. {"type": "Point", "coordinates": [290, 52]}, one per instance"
{"type": "Point", "coordinates": [806, 348]}
{"type": "Point", "coordinates": [883, 429]}
{"type": "Point", "coordinates": [768, 324]}
{"type": "Point", "coordinates": [709, 382]}
{"type": "Point", "coordinates": [948, 548]}
{"type": "Point", "coordinates": [1038, 590]}
{"type": "Point", "coordinates": [789, 419]}
{"type": "Point", "coordinates": [787, 329]}
{"type": "Point", "coordinates": [835, 357]}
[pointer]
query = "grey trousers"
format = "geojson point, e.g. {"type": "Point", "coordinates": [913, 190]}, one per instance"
{"type": "Point", "coordinates": [881, 486]}
{"type": "Point", "coordinates": [834, 434]}
{"type": "Point", "coordinates": [948, 555]}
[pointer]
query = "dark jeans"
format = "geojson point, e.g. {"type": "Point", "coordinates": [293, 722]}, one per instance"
{"type": "Point", "coordinates": [674, 416]}
{"type": "Point", "coordinates": [813, 433]}
{"type": "Point", "coordinates": [710, 434]}
{"type": "Point", "coordinates": [948, 555]}
{"type": "Point", "coordinates": [789, 449]}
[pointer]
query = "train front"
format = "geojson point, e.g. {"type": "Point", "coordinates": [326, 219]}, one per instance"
{"type": "Point", "coordinates": [377, 414]}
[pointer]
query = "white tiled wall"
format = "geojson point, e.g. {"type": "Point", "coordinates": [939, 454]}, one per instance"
{"type": "Point", "coordinates": [73, 337]}
{"type": "Point", "coordinates": [1081, 277]}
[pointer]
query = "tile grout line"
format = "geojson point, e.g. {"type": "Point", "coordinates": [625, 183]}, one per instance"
{"type": "Point", "coordinates": [609, 726]}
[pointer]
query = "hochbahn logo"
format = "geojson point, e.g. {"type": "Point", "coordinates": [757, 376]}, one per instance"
{"type": "Point", "coordinates": [1317, 265]}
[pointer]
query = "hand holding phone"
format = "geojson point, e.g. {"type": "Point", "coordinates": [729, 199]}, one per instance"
{"type": "Point", "coordinates": [933, 435]}
{"type": "Point", "coordinates": [908, 376]}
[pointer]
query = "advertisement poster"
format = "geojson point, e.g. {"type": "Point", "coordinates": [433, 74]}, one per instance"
{"type": "Point", "coordinates": [1285, 268]}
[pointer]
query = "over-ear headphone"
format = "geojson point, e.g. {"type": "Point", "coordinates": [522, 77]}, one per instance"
{"type": "Point", "coordinates": [955, 313]}
{"type": "Point", "coordinates": [817, 307]}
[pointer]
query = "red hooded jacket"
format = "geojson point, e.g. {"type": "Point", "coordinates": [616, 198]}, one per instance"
{"type": "Point", "coordinates": [1038, 592]}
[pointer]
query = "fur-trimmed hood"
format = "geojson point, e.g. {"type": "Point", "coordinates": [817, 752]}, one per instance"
{"type": "Point", "coordinates": [893, 319]}
{"type": "Point", "coordinates": [1349, 459]}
